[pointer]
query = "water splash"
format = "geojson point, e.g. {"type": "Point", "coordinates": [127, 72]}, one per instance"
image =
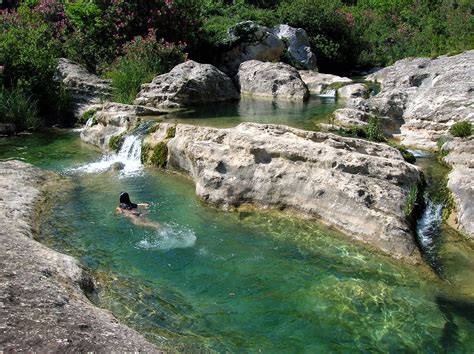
{"type": "Point", "coordinates": [428, 230]}
{"type": "Point", "coordinates": [419, 153]}
{"type": "Point", "coordinates": [329, 93]}
{"type": "Point", "coordinates": [127, 160]}
{"type": "Point", "coordinates": [169, 236]}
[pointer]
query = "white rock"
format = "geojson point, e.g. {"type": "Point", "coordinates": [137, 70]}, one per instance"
{"type": "Point", "coordinates": [298, 48]}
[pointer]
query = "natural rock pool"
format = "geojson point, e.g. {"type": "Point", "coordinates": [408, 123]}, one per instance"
{"type": "Point", "coordinates": [244, 281]}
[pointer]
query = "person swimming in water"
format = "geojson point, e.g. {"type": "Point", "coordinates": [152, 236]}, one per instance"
{"type": "Point", "coordinates": [132, 210]}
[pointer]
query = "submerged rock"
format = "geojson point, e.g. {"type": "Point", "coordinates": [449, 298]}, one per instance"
{"type": "Point", "coordinates": [43, 306]}
{"type": "Point", "coordinates": [298, 49]}
{"type": "Point", "coordinates": [357, 186]}
{"type": "Point", "coordinates": [250, 41]}
{"type": "Point", "coordinates": [86, 89]}
{"type": "Point", "coordinates": [276, 80]}
{"type": "Point", "coordinates": [187, 84]}
{"type": "Point", "coordinates": [318, 82]}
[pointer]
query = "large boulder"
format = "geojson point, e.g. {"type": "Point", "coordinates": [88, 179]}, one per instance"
{"type": "Point", "coordinates": [357, 186]}
{"type": "Point", "coordinates": [298, 49]}
{"type": "Point", "coordinates": [87, 90]}
{"type": "Point", "coordinates": [187, 84]}
{"type": "Point", "coordinates": [352, 91]}
{"type": "Point", "coordinates": [423, 96]}
{"type": "Point", "coordinates": [318, 82]}
{"type": "Point", "coordinates": [250, 41]}
{"type": "Point", "coordinates": [276, 80]}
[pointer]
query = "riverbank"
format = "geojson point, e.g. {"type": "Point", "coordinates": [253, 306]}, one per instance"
{"type": "Point", "coordinates": [42, 294]}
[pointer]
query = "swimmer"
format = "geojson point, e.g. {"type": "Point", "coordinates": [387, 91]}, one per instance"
{"type": "Point", "coordinates": [132, 210]}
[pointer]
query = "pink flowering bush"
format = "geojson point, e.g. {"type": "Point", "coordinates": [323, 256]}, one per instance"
{"type": "Point", "coordinates": [143, 58]}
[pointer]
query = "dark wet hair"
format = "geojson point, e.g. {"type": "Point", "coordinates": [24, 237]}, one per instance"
{"type": "Point", "coordinates": [125, 202]}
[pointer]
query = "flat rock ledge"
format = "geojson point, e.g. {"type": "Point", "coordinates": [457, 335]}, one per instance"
{"type": "Point", "coordinates": [359, 187]}
{"type": "Point", "coordinates": [42, 305]}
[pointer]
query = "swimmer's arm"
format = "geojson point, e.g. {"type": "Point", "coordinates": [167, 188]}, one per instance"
{"type": "Point", "coordinates": [141, 222]}
{"type": "Point", "coordinates": [143, 205]}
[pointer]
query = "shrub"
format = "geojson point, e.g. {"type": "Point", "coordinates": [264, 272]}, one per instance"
{"type": "Point", "coordinates": [461, 129]}
{"type": "Point", "coordinates": [374, 131]}
{"type": "Point", "coordinates": [19, 109]}
{"type": "Point", "coordinates": [144, 58]}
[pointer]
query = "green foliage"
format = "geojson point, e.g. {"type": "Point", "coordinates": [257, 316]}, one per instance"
{"type": "Point", "coordinates": [87, 115]}
{"type": "Point", "coordinates": [116, 141]}
{"type": "Point", "coordinates": [144, 58]}
{"type": "Point", "coordinates": [410, 202]}
{"type": "Point", "coordinates": [407, 155]}
{"type": "Point", "coordinates": [441, 194]}
{"type": "Point", "coordinates": [171, 132]}
{"type": "Point", "coordinates": [374, 131]}
{"type": "Point", "coordinates": [19, 109]}
{"type": "Point", "coordinates": [156, 155]}
{"type": "Point", "coordinates": [461, 129]}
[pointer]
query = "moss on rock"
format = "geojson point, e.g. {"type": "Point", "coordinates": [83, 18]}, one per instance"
{"type": "Point", "coordinates": [115, 142]}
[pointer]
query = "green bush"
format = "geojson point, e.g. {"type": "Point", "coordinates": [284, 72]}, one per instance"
{"type": "Point", "coordinates": [461, 129]}
{"type": "Point", "coordinates": [19, 109]}
{"type": "Point", "coordinates": [116, 141]}
{"type": "Point", "coordinates": [144, 58]}
{"type": "Point", "coordinates": [374, 131]}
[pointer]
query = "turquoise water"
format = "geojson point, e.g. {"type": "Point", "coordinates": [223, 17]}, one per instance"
{"type": "Point", "coordinates": [242, 282]}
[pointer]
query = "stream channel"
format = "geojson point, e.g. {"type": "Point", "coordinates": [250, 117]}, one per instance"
{"type": "Point", "coordinates": [250, 281]}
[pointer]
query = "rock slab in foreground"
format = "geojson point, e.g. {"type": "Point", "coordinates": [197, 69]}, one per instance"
{"type": "Point", "coordinates": [358, 186]}
{"type": "Point", "coordinates": [43, 308]}
{"type": "Point", "coordinates": [86, 89]}
{"type": "Point", "coordinates": [188, 84]}
{"type": "Point", "coordinates": [275, 80]}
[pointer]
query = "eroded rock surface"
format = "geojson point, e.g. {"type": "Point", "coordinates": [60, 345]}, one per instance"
{"type": "Point", "coordinates": [86, 89]}
{"type": "Point", "coordinates": [298, 48]}
{"type": "Point", "coordinates": [422, 97]}
{"type": "Point", "coordinates": [275, 80]}
{"type": "Point", "coordinates": [42, 305]}
{"type": "Point", "coordinates": [187, 84]}
{"type": "Point", "coordinates": [358, 186]}
{"type": "Point", "coordinates": [461, 181]}
{"type": "Point", "coordinates": [318, 82]}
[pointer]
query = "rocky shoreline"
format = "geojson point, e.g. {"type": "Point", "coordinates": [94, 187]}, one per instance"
{"type": "Point", "coordinates": [43, 305]}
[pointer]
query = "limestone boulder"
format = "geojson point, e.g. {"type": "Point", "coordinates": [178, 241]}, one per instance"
{"type": "Point", "coordinates": [357, 186]}
{"type": "Point", "coordinates": [352, 91]}
{"type": "Point", "coordinates": [275, 80]}
{"type": "Point", "coordinates": [298, 48]}
{"type": "Point", "coordinates": [318, 82]}
{"type": "Point", "coordinates": [461, 181]}
{"type": "Point", "coordinates": [187, 84]}
{"type": "Point", "coordinates": [424, 97]}
{"type": "Point", "coordinates": [87, 89]}
{"type": "Point", "coordinates": [250, 41]}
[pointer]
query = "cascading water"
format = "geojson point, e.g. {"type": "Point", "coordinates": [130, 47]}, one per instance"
{"type": "Point", "coordinates": [329, 93]}
{"type": "Point", "coordinates": [428, 229]}
{"type": "Point", "coordinates": [127, 159]}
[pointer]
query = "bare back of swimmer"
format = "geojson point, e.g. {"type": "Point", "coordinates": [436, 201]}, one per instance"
{"type": "Point", "coordinates": [132, 210]}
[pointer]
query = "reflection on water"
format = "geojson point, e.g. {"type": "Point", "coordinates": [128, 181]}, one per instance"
{"type": "Point", "coordinates": [304, 115]}
{"type": "Point", "coordinates": [244, 282]}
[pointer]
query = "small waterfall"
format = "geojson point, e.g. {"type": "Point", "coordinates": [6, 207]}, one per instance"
{"type": "Point", "coordinates": [419, 153]}
{"type": "Point", "coordinates": [428, 230]}
{"type": "Point", "coordinates": [127, 160]}
{"type": "Point", "coordinates": [329, 93]}
{"type": "Point", "coordinates": [90, 122]}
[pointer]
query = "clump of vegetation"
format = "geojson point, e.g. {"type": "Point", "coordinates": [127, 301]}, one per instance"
{"type": "Point", "coordinates": [441, 194]}
{"type": "Point", "coordinates": [410, 202]}
{"type": "Point", "coordinates": [461, 129]}
{"type": "Point", "coordinates": [171, 132]}
{"type": "Point", "coordinates": [407, 155]}
{"type": "Point", "coordinates": [144, 58]}
{"type": "Point", "coordinates": [19, 109]}
{"type": "Point", "coordinates": [116, 141]}
{"type": "Point", "coordinates": [87, 115]}
{"type": "Point", "coordinates": [154, 128]}
{"type": "Point", "coordinates": [374, 131]}
{"type": "Point", "coordinates": [156, 155]}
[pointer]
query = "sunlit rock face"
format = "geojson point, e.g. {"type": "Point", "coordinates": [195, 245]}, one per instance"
{"type": "Point", "coordinates": [187, 84]}
{"type": "Point", "coordinates": [273, 80]}
{"type": "Point", "coordinates": [357, 186]}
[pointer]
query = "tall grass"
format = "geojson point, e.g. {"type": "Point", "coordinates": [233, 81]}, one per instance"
{"type": "Point", "coordinates": [19, 109]}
